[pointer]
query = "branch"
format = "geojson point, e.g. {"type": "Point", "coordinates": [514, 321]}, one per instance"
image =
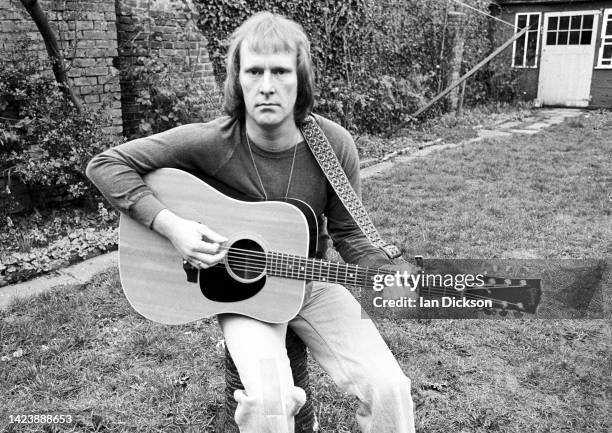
{"type": "Point", "coordinates": [55, 54]}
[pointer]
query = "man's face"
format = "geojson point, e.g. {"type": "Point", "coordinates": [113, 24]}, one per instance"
{"type": "Point", "coordinates": [269, 86]}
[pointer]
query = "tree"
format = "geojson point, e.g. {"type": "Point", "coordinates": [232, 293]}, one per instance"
{"type": "Point", "coordinates": [53, 50]}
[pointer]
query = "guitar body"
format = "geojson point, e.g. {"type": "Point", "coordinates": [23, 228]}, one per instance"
{"type": "Point", "coordinates": [156, 284]}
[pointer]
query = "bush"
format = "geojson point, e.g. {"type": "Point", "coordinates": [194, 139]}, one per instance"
{"type": "Point", "coordinates": [44, 141]}
{"type": "Point", "coordinates": [376, 61]}
{"type": "Point", "coordinates": [168, 98]}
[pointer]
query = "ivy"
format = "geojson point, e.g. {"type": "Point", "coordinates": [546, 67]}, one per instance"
{"type": "Point", "coordinates": [377, 61]}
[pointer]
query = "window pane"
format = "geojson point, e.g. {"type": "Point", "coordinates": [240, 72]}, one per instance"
{"type": "Point", "coordinates": [522, 21]}
{"type": "Point", "coordinates": [564, 23]}
{"type": "Point", "coordinates": [562, 40]}
{"type": "Point", "coordinates": [532, 38]}
{"type": "Point", "coordinates": [609, 28]}
{"type": "Point", "coordinates": [552, 23]}
{"type": "Point", "coordinates": [534, 21]}
{"type": "Point", "coordinates": [586, 37]}
{"type": "Point", "coordinates": [576, 21]}
{"type": "Point", "coordinates": [607, 52]}
{"type": "Point", "coordinates": [587, 23]}
{"type": "Point", "coordinates": [551, 38]}
{"type": "Point", "coordinates": [574, 38]}
{"type": "Point", "coordinates": [520, 51]}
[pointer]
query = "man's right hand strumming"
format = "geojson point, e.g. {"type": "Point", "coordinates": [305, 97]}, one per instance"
{"type": "Point", "coordinates": [197, 243]}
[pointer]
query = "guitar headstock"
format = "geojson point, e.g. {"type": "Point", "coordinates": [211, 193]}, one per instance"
{"type": "Point", "coordinates": [517, 294]}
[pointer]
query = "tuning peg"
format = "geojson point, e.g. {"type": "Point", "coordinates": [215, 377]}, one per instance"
{"type": "Point", "coordinates": [488, 312]}
{"type": "Point", "coordinates": [503, 313]}
{"type": "Point", "coordinates": [518, 314]}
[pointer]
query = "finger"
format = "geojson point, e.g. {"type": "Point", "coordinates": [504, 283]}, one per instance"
{"type": "Point", "coordinates": [211, 235]}
{"type": "Point", "coordinates": [199, 264]}
{"type": "Point", "coordinates": [209, 259]}
{"type": "Point", "coordinates": [206, 248]}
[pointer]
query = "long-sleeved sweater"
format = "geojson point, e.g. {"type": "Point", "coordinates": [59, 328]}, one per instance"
{"type": "Point", "coordinates": [219, 150]}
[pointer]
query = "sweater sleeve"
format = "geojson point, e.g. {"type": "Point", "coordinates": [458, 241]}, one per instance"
{"type": "Point", "coordinates": [348, 238]}
{"type": "Point", "coordinates": [117, 172]}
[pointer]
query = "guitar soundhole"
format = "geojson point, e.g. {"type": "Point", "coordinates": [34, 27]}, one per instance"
{"type": "Point", "coordinates": [246, 260]}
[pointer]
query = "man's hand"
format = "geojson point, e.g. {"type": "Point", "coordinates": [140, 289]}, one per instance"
{"type": "Point", "coordinates": [197, 243]}
{"type": "Point", "coordinates": [403, 283]}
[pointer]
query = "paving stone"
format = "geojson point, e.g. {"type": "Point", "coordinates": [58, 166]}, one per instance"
{"type": "Point", "coordinates": [538, 125]}
{"type": "Point", "coordinates": [492, 133]}
{"type": "Point", "coordinates": [507, 125]}
{"type": "Point", "coordinates": [525, 131]}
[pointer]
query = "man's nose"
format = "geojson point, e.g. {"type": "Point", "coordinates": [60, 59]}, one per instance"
{"type": "Point", "coordinates": [267, 86]}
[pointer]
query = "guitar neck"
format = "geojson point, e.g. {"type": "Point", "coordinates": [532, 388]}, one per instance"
{"type": "Point", "coordinates": [302, 268]}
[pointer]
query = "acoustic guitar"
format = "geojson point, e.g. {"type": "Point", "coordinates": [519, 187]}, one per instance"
{"type": "Point", "coordinates": [269, 260]}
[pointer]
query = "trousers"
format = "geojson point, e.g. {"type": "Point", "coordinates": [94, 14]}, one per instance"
{"type": "Point", "coordinates": [346, 345]}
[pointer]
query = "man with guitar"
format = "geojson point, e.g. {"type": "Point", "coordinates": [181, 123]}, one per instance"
{"type": "Point", "coordinates": [258, 149]}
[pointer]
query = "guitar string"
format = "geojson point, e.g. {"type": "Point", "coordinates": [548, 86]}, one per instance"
{"type": "Point", "coordinates": [430, 290]}
{"type": "Point", "coordinates": [472, 296]}
{"type": "Point", "coordinates": [262, 258]}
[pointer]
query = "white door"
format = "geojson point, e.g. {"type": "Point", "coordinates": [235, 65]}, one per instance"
{"type": "Point", "coordinates": [567, 59]}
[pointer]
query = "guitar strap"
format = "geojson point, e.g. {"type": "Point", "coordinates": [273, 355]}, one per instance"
{"type": "Point", "coordinates": [328, 161]}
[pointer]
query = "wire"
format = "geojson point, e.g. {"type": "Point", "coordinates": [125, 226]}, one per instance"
{"type": "Point", "coordinates": [484, 13]}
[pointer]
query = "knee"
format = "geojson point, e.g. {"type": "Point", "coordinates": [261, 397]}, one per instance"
{"type": "Point", "coordinates": [389, 387]}
{"type": "Point", "coordinates": [252, 409]}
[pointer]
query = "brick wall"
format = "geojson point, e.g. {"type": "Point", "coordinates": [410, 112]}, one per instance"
{"type": "Point", "coordinates": [167, 30]}
{"type": "Point", "coordinates": [109, 36]}
{"type": "Point", "coordinates": [87, 31]}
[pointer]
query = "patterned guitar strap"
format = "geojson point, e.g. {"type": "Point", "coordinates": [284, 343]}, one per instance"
{"type": "Point", "coordinates": [328, 161]}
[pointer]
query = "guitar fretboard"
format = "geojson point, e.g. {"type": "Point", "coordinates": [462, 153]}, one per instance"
{"type": "Point", "coordinates": [302, 268]}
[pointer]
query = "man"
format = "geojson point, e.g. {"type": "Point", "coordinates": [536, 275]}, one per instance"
{"type": "Point", "coordinates": [258, 149]}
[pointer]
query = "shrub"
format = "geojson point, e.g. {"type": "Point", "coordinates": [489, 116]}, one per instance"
{"type": "Point", "coordinates": [44, 141]}
{"type": "Point", "coordinates": [376, 61]}
{"type": "Point", "coordinates": [169, 98]}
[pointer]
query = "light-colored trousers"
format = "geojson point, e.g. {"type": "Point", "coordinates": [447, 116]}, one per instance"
{"type": "Point", "coordinates": [348, 347]}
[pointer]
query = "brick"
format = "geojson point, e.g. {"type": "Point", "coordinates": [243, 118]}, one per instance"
{"type": "Point", "coordinates": [86, 81]}
{"type": "Point", "coordinates": [103, 43]}
{"type": "Point", "coordinates": [85, 25]}
{"type": "Point", "coordinates": [91, 98]}
{"type": "Point", "coordinates": [99, 71]}
{"type": "Point", "coordinates": [93, 16]}
{"type": "Point", "coordinates": [100, 25]}
{"type": "Point", "coordinates": [86, 90]}
{"type": "Point", "coordinates": [84, 62]}
{"type": "Point", "coordinates": [94, 34]}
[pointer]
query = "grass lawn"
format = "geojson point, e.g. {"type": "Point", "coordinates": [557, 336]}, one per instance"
{"type": "Point", "coordinates": [82, 351]}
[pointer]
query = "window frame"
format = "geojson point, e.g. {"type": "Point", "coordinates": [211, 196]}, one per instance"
{"type": "Point", "coordinates": [607, 19]}
{"type": "Point", "coordinates": [526, 40]}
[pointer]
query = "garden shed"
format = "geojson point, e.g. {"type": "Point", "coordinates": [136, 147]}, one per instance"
{"type": "Point", "coordinates": [565, 58]}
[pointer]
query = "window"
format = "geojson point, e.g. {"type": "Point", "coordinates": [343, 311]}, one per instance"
{"type": "Point", "coordinates": [605, 51]}
{"type": "Point", "coordinates": [525, 49]}
{"type": "Point", "coordinates": [570, 30]}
